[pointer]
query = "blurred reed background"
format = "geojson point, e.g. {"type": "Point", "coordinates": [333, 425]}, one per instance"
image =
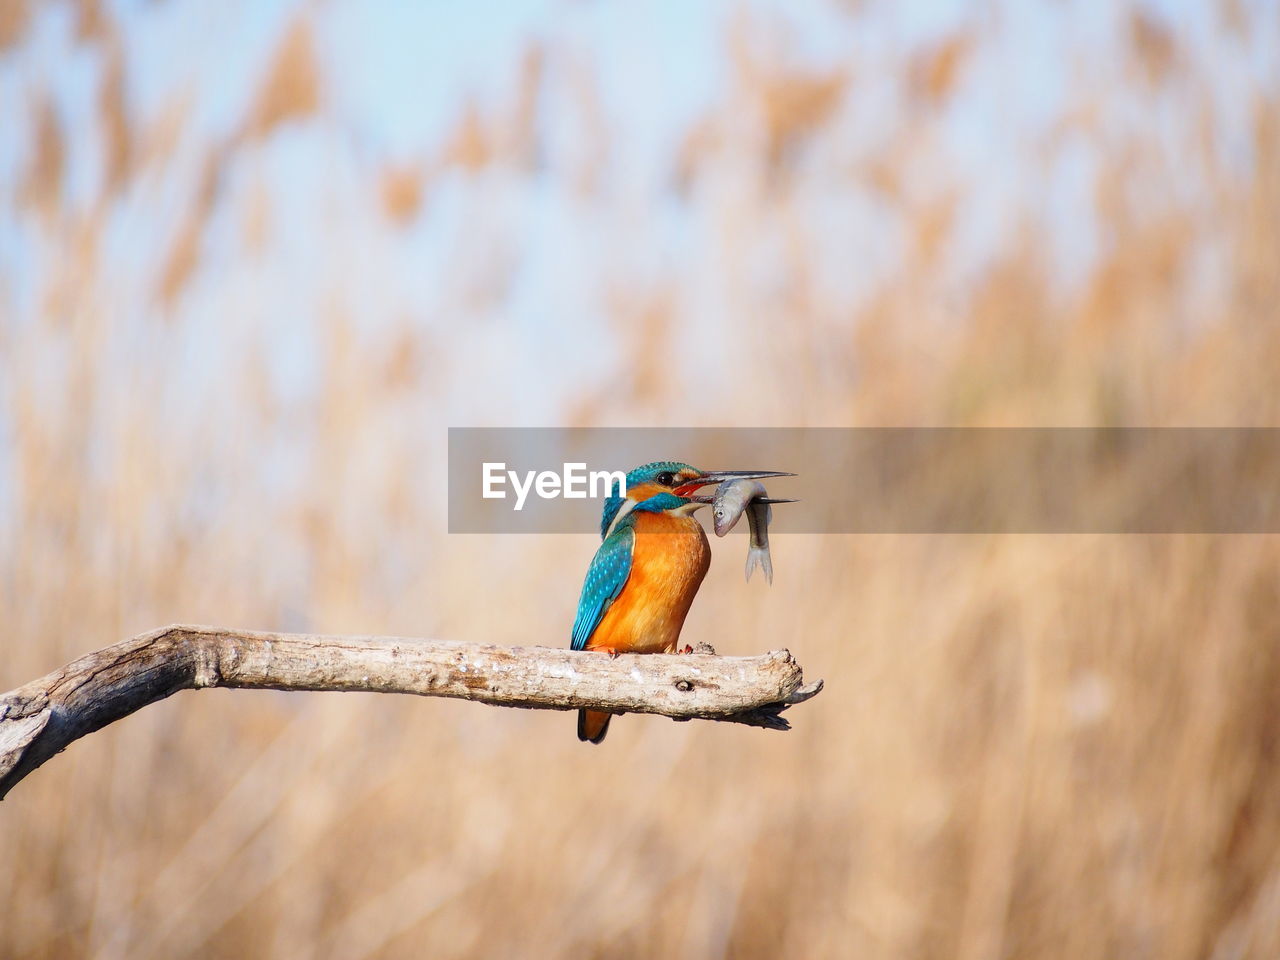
{"type": "Point", "coordinates": [256, 257]}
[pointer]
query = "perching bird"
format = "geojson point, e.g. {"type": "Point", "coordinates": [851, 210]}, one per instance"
{"type": "Point", "coordinates": [645, 575]}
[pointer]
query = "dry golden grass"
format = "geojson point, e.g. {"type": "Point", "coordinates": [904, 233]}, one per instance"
{"type": "Point", "coordinates": [13, 21]}
{"type": "Point", "coordinates": [1029, 746]}
{"type": "Point", "coordinates": [292, 87]}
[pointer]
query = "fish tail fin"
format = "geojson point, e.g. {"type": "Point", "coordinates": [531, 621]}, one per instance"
{"type": "Point", "coordinates": [759, 557]}
{"type": "Point", "coordinates": [593, 725]}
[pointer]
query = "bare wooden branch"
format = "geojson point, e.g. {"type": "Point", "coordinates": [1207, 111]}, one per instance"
{"type": "Point", "coordinates": [41, 718]}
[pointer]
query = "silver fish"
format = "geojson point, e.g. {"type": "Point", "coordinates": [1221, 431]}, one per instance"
{"type": "Point", "coordinates": [732, 500]}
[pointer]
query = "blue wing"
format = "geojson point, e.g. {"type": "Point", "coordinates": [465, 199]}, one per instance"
{"type": "Point", "coordinates": [605, 579]}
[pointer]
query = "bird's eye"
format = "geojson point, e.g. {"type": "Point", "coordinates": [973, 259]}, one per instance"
{"type": "Point", "coordinates": [666, 478]}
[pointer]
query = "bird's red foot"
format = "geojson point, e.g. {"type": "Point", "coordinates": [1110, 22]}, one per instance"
{"type": "Point", "coordinates": [614, 654]}
{"type": "Point", "coordinates": [687, 649]}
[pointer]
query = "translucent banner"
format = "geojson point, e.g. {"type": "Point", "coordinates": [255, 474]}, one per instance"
{"type": "Point", "coordinates": [890, 480]}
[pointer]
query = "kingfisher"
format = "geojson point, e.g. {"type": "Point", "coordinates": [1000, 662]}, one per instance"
{"type": "Point", "coordinates": [645, 574]}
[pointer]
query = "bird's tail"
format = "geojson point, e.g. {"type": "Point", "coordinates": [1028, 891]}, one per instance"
{"type": "Point", "coordinates": [593, 725]}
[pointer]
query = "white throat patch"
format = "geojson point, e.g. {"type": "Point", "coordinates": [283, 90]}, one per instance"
{"type": "Point", "coordinates": [627, 506]}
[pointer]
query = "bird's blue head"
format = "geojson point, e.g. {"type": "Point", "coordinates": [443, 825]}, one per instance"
{"type": "Point", "coordinates": [668, 477]}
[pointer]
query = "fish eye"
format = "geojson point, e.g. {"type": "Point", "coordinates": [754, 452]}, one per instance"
{"type": "Point", "coordinates": [666, 478]}
{"type": "Point", "coordinates": [719, 513]}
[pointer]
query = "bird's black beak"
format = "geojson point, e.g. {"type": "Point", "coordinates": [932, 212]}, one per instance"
{"type": "Point", "coordinates": [688, 488]}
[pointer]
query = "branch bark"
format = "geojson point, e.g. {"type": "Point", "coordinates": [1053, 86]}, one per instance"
{"type": "Point", "coordinates": [41, 718]}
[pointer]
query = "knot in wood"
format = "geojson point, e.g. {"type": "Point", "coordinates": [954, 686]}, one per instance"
{"type": "Point", "coordinates": [684, 686]}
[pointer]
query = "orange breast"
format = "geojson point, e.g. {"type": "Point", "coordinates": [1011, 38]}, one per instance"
{"type": "Point", "coordinates": [670, 559]}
